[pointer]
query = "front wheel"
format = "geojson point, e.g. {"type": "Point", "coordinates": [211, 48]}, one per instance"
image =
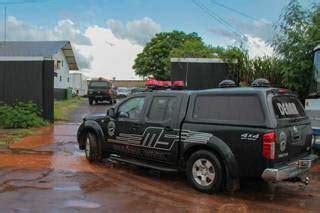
{"type": "Point", "coordinates": [92, 150]}
{"type": "Point", "coordinates": [204, 171]}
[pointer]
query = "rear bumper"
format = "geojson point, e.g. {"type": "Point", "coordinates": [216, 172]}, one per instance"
{"type": "Point", "coordinates": [100, 97]}
{"type": "Point", "coordinates": [291, 170]}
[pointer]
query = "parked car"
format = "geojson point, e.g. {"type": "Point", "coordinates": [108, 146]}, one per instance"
{"type": "Point", "coordinates": [100, 90]}
{"type": "Point", "coordinates": [215, 136]}
{"type": "Point", "coordinates": [123, 92]}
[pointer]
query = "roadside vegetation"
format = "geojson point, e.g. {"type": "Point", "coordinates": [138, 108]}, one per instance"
{"type": "Point", "coordinates": [18, 121]}
{"type": "Point", "coordinates": [296, 35]}
{"type": "Point", "coordinates": [20, 116]}
{"type": "Point", "coordinates": [63, 108]}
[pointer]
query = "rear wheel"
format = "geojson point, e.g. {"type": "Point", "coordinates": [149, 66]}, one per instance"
{"type": "Point", "coordinates": [92, 151]}
{"type": "Point", "coordinates": [204, 171]}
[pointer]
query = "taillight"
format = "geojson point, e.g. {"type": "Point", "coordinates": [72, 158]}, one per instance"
{"type": "Point", "coordinates": [269, 142]}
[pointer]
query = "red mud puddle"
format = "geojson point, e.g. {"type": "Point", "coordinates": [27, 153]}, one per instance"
{"type": "Point", "coordinates": [54, 147]}
{"type": "Point", "coordinates": [24, 161]}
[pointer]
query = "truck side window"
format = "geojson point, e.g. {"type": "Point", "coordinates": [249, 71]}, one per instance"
{"type": "Point", "coordinates": [229, 108]}
{"type": "Point", "coordinates": [162, 109]}
{"type": "Point", "coordinates": [133, 107]}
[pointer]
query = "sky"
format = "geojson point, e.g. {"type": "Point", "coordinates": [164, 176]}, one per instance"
{"type": "Point", "coordinates": [107, 35]}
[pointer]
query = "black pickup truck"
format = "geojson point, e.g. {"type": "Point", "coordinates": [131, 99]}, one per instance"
{"type": "Point", "coordinates": [215, 136]}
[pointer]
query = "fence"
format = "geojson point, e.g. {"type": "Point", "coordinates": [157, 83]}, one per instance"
{"type": "Point", "coordinates": [28, 81]}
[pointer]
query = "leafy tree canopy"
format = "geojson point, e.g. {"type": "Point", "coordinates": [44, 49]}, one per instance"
{"type": "Point", "coordinates": [192, 48]}
{"type": "Point", "coordinates": [297, 33]}
{"type": "Point", "coordinates": [155, 57]}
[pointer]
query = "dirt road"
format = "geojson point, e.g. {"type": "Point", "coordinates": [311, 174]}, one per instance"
{"type": "Point", "coordinates": [48, 173]}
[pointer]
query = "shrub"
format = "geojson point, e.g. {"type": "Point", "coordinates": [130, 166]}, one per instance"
{"type": "Point", "coordinates": [20, 115]}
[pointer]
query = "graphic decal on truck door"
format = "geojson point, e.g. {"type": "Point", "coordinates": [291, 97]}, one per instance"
{"type": "Point", "coordinates": [158, 138]}
{"type": "Point", "coordinates": [153, 137]}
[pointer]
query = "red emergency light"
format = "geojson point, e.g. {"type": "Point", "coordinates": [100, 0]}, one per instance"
{"type": "Point", "coordinates": [158, 85]}
{"type": "Point", "coordinates": [178, 84]}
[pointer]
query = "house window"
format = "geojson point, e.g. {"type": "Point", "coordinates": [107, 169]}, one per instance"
{"type": "Point", "coordinates": [57, 65]}
{"type": "Point", "coordinates": [60, 78]}
{"type": "Point", "coordinates": [68, 79]}
{"type": "Point", "coordinates": [61, 63]}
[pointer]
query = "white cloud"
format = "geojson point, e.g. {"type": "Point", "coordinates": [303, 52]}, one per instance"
{"type": "Point", "coordinates": [136, 31]}
{"type": "Point", "coordinates": [112, 56]}
{"type": "Point", "coordinates": [67, 29]}
{"type": "Point", "coordinates": [254, 35]}
{"type": "Point", "coordinates": [257, 47]}
{"type": "Point", "coordinates": [64, 30]}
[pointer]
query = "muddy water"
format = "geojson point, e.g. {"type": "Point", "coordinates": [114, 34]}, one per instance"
{"type": "Point", "coordinates": [47, 172]}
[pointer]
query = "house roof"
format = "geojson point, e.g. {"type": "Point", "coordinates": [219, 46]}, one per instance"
{"type": "Point", "coordinates": [43, 49]}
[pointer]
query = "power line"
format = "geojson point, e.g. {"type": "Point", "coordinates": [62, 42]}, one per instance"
{"type": "Point", "coordinates": [234, 10]}
{"type": "Point", "coordinates": [215, 16]}
{"type": "Point", "coordinates": [225, 23]}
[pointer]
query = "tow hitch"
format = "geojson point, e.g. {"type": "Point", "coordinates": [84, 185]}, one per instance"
{"type": "Point", "coordinates": [305, 180]}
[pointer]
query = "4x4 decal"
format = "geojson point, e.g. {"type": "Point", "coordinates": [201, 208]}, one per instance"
{"type": "Point", "coordinates": [249, 136]}
{"type": "Point", "coordinates": [156, 138]}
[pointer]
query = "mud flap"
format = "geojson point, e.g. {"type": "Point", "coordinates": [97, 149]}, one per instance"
{"type": "Point", "coordinates": [231, 184]}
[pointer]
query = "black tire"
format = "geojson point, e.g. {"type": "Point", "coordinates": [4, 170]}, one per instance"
{"type": "Point", "coordinates": [209, 165]}
{"type": "Point", "coordinates": [93, 153]}
{"type": "Point", "coordinates": [96, 101]}
{"type": "Point", "coordinates": [90, 101]}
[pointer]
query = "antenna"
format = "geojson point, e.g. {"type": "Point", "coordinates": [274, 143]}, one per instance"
{"type": "Point", "coordinates": [5, 23]}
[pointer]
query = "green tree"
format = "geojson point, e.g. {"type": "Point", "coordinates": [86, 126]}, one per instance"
{"type": "Point", "coordinates": [238, 62]}
{"type": "Point", "coordinates": [297, 33]}
{"type": "Point", "coordinates": [192, 48]}
{"type": "Point", "coordinates": [155, 57]}
{"type": "Point", "coordinates": [266, 67]}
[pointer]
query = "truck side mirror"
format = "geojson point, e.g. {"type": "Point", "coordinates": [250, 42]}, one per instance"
{"type": "Point", "coordinates": [110, 112]}
{"type": "Point", "coordinates": [123, 115]}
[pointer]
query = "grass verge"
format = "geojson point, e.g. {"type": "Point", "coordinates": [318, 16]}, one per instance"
{"type": "Point", "coordinates": [9, 136]}
{"type": "Point", "coordinates": [63, 108]}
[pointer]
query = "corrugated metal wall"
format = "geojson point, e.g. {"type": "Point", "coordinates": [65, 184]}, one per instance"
{"type": "Point", "coordinates": [28, 81]}
{"type": "Point", "coordinates": [200, 75]}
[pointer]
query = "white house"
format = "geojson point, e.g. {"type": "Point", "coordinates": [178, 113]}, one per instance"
{"type": "Point", "coordinates": [62, 71]}
{"type": "Point", "coordinates": [79, 83]}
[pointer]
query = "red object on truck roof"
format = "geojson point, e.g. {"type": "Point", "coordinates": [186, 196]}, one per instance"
{"type": "Point", "coordinates": [155, 84]}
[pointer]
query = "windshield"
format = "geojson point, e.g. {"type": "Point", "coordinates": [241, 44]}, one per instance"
{"type": "Point", "coordinates": [99, 84]}
{"type": "Point", "coordinates": [317, 65]}
{"type": "Point", "coordinates": [287, 107]}
{"type": "Point", "coordinates": [122, 90]}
